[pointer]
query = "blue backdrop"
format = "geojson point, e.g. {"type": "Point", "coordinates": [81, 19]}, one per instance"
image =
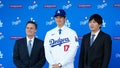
{"type": "Point", "coordinates": [15, 13]}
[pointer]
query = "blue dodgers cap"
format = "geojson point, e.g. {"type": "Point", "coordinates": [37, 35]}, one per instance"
{"type": "Point", "coordinates": [60, 12]}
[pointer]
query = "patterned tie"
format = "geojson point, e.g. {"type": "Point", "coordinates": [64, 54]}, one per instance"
{"type": "Point", "coordinates": [59, 31]}
{"type": "Point", "coordinates": [29, 47]}
{"type": "Point", "coordinates": [92, 40]}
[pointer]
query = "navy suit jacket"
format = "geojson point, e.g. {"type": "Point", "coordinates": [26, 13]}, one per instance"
{"type": "Point", "coordinates": [21, 57]}
{"type": "Point", "coordinates": [98, 55]}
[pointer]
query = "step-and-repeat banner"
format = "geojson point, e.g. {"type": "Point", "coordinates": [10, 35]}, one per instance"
{"type": "Point", "coordinates": [15, 13]}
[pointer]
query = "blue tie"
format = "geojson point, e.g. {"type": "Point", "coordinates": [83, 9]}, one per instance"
{"type": "Point", "coordinates": [29, 47]}
{"type": "Point", "coordinates": [92, 40]}
{"type": "Point", "coordinates": [59, 31]}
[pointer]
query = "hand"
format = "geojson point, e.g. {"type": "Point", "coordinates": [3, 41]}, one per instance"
{"type": "Point", "coordinates": [56, 66]}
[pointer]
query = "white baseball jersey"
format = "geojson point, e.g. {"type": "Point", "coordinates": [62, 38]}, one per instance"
{"type": "Point", "coordinates": [61, 48]}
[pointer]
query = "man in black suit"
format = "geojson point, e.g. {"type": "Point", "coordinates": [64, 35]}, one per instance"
{"type": "Point", "coordinates": [95, 51]}
{"type": "Point", "coordinates": [29, 51]}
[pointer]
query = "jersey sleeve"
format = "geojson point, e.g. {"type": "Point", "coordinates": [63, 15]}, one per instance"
{"type": "Point", "coordinates": [48, 53]}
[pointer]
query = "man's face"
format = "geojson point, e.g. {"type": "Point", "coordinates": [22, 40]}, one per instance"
{"type": "Point", "coordinates": [94, 26]}
{"type": "Point", "coordinates": [30, 29]}
{"type": "Point", "coordinates": [60, 21]}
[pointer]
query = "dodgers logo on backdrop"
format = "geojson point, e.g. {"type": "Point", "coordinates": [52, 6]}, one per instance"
{"type": "Point", "coordinates": [117, 55]}
{"type": "Point", "coordinates": [32, 7]}
{"type": "Point", "coordinates": [84, 22]}
{"type": "Point", "coordinates": [67, 6]}
{"type": "Point", "coordinates": [32, 19]}
{"type": "Point", "coordinates": [101, 6]}
{"type": "Point", "coordinates": [1, 55]}
{"type": "Point", "coordinates": [1, 24]}
{"type": "Point", "coordinates": [59, 41]}
{"type": "Point", "coordinates": [117, 23]}
{"type": "Point", "coordinates": [104, 24]}
{"type": "Point", "coordinates": [67, 23]}
{"type": "Point", "coordinates": [17, 21]}
{"type": "Point", "coordinates": [51, 21]}
{"type": "Point", "coordinates": [1, 5]}
{"type": "Point", "coordinates": [1, 36]}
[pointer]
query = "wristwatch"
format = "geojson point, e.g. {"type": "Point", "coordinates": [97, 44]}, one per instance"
{"type": "Point", "coordinates": [59, 65]}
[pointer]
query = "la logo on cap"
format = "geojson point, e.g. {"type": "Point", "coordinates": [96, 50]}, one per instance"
{"type": "Point", "coordinates": [58, 11]}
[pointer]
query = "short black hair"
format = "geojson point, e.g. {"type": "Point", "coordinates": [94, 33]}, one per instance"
{"type": "Point", "coordinates": [32, 22]}
{"type": "Point", "coordinates": [97, 18]}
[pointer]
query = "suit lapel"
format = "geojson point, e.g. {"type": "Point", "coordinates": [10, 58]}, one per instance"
{"type": "Point", "coordinates": [88, 41]}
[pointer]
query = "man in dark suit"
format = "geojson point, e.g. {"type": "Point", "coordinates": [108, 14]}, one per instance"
{"type": "Point", "coordinates": [29, 51]}
{"type": "Point", "coordinates": [95, 51]}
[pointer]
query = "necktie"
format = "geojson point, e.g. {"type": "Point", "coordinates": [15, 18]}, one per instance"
{"type": "Point", "coordinates": [92, 40]}
{"type": "Point", "coordinates": [59, 31]}
{"type": "Point", "coordinates": [29, 47]}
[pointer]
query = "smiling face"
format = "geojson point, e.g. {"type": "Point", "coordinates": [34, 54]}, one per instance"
{"type": "Point", "coordinates": [94, 26]}
{"type": "Point", "coordinates": [30, 30]}
{"type": "Point", "coordinates": [60, 21]}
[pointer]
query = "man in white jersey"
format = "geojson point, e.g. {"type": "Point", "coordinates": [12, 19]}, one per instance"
{"type": "Point", "coordinates": [61, 43]}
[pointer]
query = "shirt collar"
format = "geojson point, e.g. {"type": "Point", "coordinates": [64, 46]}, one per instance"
{"type": "Point", "coordinates": [30, 39]}
{"type": "Point", "coordinates": [96, 33]}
